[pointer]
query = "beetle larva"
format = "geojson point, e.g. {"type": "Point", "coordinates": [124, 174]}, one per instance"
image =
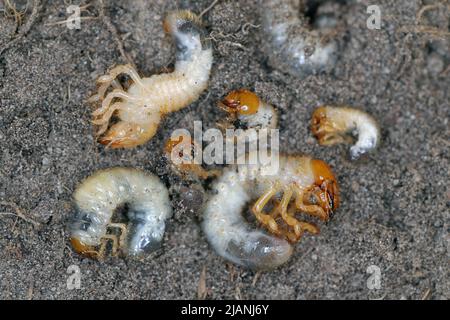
{"type": "Point", "coordinates": [99, 195]}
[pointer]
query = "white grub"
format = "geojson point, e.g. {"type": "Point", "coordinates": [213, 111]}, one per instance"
{"type": "Point", "coordinates": [297, 178]}
{"type": "Point", "coordinates": [291, 44]}
{"type": "Point", "coordinates": [232, 237]}
{"type": "Point", "coordinates": [97, 198]}
{"type": "Point", "coordinates": [333, 125]}
{"type": "Point", "coordinates": [247, 112]}
{"type": "Point", "coordinates": [140, 107]}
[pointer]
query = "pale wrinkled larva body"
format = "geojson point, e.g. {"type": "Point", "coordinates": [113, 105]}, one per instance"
{"type": "Point", "coordinates": [97, 198]}
{"type": "Point", "coordinates": [297, 178]}
{"type": "Point", "coordinates": [332, 125]}
{"type": "Point", "coordinates": [266, 117]}
{"type": "Point", "coordinates": [140, 108]}
{"type": "Point", "coordinates": [291, 44]}
{"type": "Point", "coordinates": [232, 237]}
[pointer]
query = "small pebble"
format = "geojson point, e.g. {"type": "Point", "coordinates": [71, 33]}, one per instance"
{"type": "Point", "coordinates": [435, 64]}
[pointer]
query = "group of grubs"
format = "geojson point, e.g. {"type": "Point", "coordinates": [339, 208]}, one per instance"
{"type": "Point", "coordinates": [126, 116]}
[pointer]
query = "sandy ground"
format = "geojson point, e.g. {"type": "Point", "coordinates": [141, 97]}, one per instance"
{"type": "Point", "coordinates": [395, 204]}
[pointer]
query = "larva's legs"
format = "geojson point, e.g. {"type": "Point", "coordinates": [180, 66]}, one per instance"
{"type": "Point", "coordinates": [330, 139]}
{"type": "Point", "coordinates": [104, 120]}
{"type": "Point", "coordinates": [306, 226]}
{"type": "Point", "coordinates": [116, 84]}
{"type": "Point", "coordinates": [102, 89]}
{"type": "Point", "coordinates": [275, 213]}
{"type": "Point", "coordinates": [123, 232]}
{"type": "Point", "coordinates": [287, 213]}
{"type": "Point", "coordinates": [311, 228]}
{"type": "Point", "coordinates": [329, 132]}
{"type": "Point", "coordinates": [325, 127]}
{"type": "Point", "coordinates": [104, 243]}
{"type": "Point", "coordinates": [314, 210]}
{"type": "Point", "coordinates": [116, 71]}
{"type": "Point", "coordinates": [298, 226]}
{"type": "Point", "coordinates": [276, 209]}
{"type": "Point", "coordinates": [110, 79]}
{"type": "Point", "coordinates": [266, 219]}
{"type": "Point", "coordinates": [290, 220]}
{"type": "Point", "coordinates": [116, 93]}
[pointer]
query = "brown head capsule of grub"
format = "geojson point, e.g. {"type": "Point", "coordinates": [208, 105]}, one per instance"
{"type": "Point", "coordinates": [242, 102]}
{"type": "Point", "coordinates": [326, 190]}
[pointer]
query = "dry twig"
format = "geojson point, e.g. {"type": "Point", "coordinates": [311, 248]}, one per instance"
{"type": "Point", "coordinates": [208, 8]}
{"type": "Point", "coordinates": [202, 291]}
{"type": "Point", "coordinates": [17, 212]}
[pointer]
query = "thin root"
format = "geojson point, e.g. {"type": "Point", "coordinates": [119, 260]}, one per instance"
{"type": "Point", "coordinates": [432, 31]}
{"type": "Point", "coordinates": [427, 29]}
{"type": "Point", "coordinates": [110, 26]}
{"type": "Point", "coordinates": [37, 6]}
{"type": "Point", "coordinates": [208, 8]}
{"type": "Point", "coordinates": [12, 12]}
{"type": "Point", "coordinates": [18, 212]}
{"type": "Point", "coordinates": [427, 294]}
{"type": "Point", "coordinates": [428, 8]}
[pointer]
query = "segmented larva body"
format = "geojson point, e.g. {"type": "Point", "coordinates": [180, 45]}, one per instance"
{"type": "Point", "coordinates": [292, 45]}
{"type": "Point", "coordinates": [97, 198]}
{"type": "Point", "coordinates": [333, 125]}
{"type": "Point", "coordinates": [140, 107]}
{"type": "Point", "coordinates": [297, 180]}
{"type": "Point", "coordinates": [232, 237]}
